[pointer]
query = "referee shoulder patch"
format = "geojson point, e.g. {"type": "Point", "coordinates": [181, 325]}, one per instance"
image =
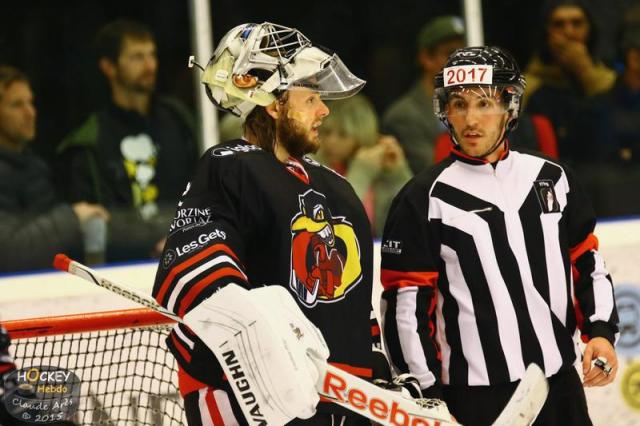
{"type": "Point", "coordinates": [546, 194]}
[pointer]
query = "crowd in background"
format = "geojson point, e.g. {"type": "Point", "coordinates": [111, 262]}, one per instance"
{"type": "Point", "coordinates": [106, 191]}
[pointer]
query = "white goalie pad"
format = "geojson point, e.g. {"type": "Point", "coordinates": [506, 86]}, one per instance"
{"type": "Point", "coordinates": [270, 352]}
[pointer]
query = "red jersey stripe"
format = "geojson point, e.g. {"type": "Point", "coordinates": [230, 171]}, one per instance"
{"type": "Point", "coordinates": [203, 283]}
{"type": "Point", "coordinates": [183, 351]}
{"type": "Point", "coordinates": [186, 383]}
{"type": "Point", "coordinates": [187, 263]}
{"type": "Point", "coordinates": [213, 407]}
{"type": "Point", "coordinates": [398, 279]}
{"type": "Point", "coordinates": [375, 330]}
{"type": "Point", "coordinates": [589, 243]}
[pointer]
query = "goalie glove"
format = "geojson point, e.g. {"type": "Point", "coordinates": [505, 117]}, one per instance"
{"type": "Point", "coordinates": [272, 355]}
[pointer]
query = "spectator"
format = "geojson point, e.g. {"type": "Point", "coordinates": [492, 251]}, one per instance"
{"type": "Point", "coordinates": [615, 189]}
{"type": "Point", "coordinates": [411, 118]}
{"type": "Point", "coordinates": [135, 154]}
{"type": "Point", "coordinates": [373, 164]}
{"type": "Point", "coordinates": [563, 79]}
{"type": "Point", "coordinates": [34, 224]}
{"type": "Point", "coordinates": [625, 99]}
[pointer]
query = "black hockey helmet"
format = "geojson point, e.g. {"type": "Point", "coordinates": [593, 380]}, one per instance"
{"type": "Point", "coordinates": [481, 66]}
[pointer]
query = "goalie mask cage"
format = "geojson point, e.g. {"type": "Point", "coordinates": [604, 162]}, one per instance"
{"type": "Point", "coordinates": [127, 374]}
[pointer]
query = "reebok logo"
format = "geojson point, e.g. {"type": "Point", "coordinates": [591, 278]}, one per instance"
{"type": "Point", "coordinates": [335, 388]}
{"type": "Point", "coordinates": [244, 387]}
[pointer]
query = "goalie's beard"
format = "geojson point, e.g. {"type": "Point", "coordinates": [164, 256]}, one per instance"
{"type": "Point", "coordinates": [294, 139]}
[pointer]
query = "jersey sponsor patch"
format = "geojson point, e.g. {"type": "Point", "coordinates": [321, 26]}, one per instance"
{"type": "Point", "coordinates": [225, 151]}
{"type": "Point", "coordinates": [170, 256]}
{"type": "Point", "coordinates": [546, 194]}
{"type": "Point", "coordinates": [189, 218]}
{"type": "Point", "coordinates": [325, 252]}
{"type": "Point", "coordinates": [201, 241]}
{"type": "Point", "coordinates": [391, 247]}
{"type": "Point", "coordinates": [467, 74]}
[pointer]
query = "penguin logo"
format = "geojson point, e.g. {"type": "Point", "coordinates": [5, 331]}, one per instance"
{"type": "Point", "coordinates": [325, 253]}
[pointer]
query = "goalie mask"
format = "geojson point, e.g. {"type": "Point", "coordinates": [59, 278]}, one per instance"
{"type": "Point", "coordinates": [485, 72]}
{"type": "Point", "coordinates": [254, 62]}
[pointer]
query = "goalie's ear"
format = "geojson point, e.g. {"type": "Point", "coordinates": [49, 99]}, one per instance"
{"type": "Point", "coordinates": [273, 109]}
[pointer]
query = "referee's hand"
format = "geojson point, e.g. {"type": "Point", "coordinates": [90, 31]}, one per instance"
{"type": "Point", "coordinates": [593, 375]}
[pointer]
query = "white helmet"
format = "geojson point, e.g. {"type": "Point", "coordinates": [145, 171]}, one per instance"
{"type": "Point", "coordinates": [254, 60]}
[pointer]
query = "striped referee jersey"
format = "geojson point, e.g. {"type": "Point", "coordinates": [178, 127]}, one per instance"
{"type": "Point", "coordinates": [487, 268]}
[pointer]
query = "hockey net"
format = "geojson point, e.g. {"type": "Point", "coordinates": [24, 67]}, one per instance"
{"type": "Point", "coordinates": [127, 373]}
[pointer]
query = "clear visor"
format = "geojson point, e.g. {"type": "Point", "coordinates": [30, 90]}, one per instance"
{"type": "Point", "coordinates": [484, 100]}
{"type": "Point", "coordinates": [333, 81]}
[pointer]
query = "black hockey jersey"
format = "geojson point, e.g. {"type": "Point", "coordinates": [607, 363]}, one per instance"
{"type": "Point", "coordinates": [487, 268]}
{"type": "Point", "coordinates": [247, 218]}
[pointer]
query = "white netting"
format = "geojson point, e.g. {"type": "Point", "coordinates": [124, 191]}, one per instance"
{"type": "Point", "coordinates": [128, 375]}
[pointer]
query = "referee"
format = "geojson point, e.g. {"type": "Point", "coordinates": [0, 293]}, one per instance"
{"type": "Point", "coordinates": [489, 262]}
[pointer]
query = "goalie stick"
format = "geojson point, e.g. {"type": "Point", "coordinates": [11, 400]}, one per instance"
{"type": "Point", "coordinates": [384, 407]}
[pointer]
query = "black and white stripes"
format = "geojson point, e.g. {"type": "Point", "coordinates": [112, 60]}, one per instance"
{"type": "Point", "coordinates": [499, 239]}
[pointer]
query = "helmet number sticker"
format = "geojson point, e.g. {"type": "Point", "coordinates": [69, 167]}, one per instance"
{"type": "Point", "coordinates": [468, 74]}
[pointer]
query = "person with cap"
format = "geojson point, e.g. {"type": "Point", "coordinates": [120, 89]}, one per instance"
{"type": "Point", "coordinates": [259, 213]}
{"type": "Point", "coordinates": [489, 261]}
{"type": "Point", "coordinates": [410, 118]}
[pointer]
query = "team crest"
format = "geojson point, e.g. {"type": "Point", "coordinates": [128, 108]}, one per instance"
{"type": "Point", "coordinates": [325, 254]}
